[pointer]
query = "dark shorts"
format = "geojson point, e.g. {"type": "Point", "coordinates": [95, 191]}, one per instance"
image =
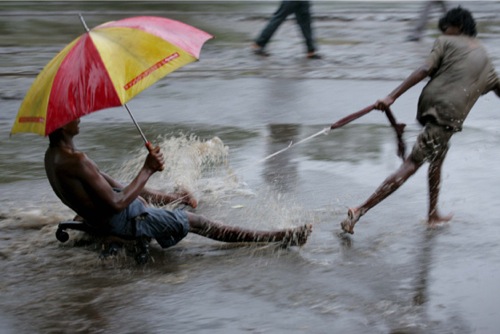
{"type": "Point", "coordinates": [431, 144]}
{"type": "Point", "coordinates": [165, 226]}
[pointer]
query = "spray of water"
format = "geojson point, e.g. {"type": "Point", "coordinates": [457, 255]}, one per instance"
{"type": "Point", "coordinates": [199, 166]}
{"type": "Point", "coordinates": [202, 167]}
{"type": "Point", "coordinates": [188, 162]}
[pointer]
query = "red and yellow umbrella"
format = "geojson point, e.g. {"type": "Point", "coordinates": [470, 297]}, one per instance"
{"type": "Point", "coordinates": [106, 67]}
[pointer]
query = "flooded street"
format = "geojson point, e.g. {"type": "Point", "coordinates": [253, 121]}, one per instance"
{"type": "Point", "coordinates": [216, 121]}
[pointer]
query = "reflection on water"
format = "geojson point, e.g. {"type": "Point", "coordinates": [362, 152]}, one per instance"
{"type": "Point", "coordinates": [281, 171]}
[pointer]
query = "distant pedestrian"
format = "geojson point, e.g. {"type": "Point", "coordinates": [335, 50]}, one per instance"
{"type": "Point", "coordinates": [416, 34]}
{"type": "Point", "coordinates": [460, 72]}
{"type": "Point", "coordinates": [302, 12]}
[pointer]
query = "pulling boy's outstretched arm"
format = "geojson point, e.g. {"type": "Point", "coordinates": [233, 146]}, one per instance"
{"type": "Point", "coordinates": [414, 78]}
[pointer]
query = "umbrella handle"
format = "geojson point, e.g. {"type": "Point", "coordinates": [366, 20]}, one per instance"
{"type": "Point", "coordinates": [136, 124]}
{"type": "Point", "coordinates": [147, 143]}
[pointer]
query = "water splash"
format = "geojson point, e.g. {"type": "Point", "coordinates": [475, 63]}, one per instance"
{"type": "Point", "coordinates": [202, 167]}
{"type": "Point", "coordinates": [189, 163]}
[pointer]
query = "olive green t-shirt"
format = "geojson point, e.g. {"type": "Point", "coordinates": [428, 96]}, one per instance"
{"type": "Point", "coordinates": [460, 72]}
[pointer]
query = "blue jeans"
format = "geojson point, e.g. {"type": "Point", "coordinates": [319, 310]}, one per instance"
{"type": "Point", "coordinates": [137, 220]}
{"type": "Point", "coordinates": [303, 16]}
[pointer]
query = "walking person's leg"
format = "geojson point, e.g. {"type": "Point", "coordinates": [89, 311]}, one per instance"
{"type": "Point", "coordinates": [444, 6]}
{"type": "Point", "coordinates": [422, 21]}
{"type": "Point", "coordinates": [303, 17]}
{"type": "Point", "coordinates": [285, 9]}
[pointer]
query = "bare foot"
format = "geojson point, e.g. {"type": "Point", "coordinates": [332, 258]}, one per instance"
{"type": "Point", "coordinates": [297, 236]}
{"type": "Point", "coordinates": [436, 219]}
{"type": "Point", "coordinates": [353, 215]}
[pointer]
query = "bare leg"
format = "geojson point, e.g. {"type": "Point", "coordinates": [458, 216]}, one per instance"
{"type": "Point", "coordinates": [434, 177]}
{"type": "Point", "coordinates": [216, 231]}
{"type": "Point", "coordinates": [391, 184]}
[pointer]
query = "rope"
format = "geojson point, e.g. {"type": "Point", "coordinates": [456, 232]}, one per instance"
{"type": "Point", "coordinates": [398, 128]}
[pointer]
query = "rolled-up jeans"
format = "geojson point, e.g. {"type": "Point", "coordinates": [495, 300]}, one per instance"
{"type": "Point", "coordinates": [167, 227]}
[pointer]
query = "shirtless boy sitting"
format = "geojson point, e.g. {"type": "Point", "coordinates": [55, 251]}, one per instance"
{"type": "Point", "coordinates": [123, 210]}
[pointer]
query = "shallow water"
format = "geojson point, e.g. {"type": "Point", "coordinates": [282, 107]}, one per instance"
{"type": "Point", "coordinates": [216, 121]}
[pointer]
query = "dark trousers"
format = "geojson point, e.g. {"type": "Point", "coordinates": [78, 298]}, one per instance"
{"type": "Point", "coordinates": [302, 15]}
{"type": "Point", "coordinates": [424, 16]}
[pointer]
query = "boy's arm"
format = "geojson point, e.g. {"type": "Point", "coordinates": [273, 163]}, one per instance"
{"type": "Point", "coordinates": [418, 75]}
{"type": "Point", "coordinates": [100, 186]}
{"type": "Point", "coordinates": [112, 182]}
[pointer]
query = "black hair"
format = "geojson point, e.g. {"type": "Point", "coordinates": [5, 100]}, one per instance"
{"type": "Point", "coordinates": [460, 18]}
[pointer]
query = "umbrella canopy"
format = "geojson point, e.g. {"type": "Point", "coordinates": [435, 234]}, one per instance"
{"type": "Point", "coordinates": [106, 67]}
